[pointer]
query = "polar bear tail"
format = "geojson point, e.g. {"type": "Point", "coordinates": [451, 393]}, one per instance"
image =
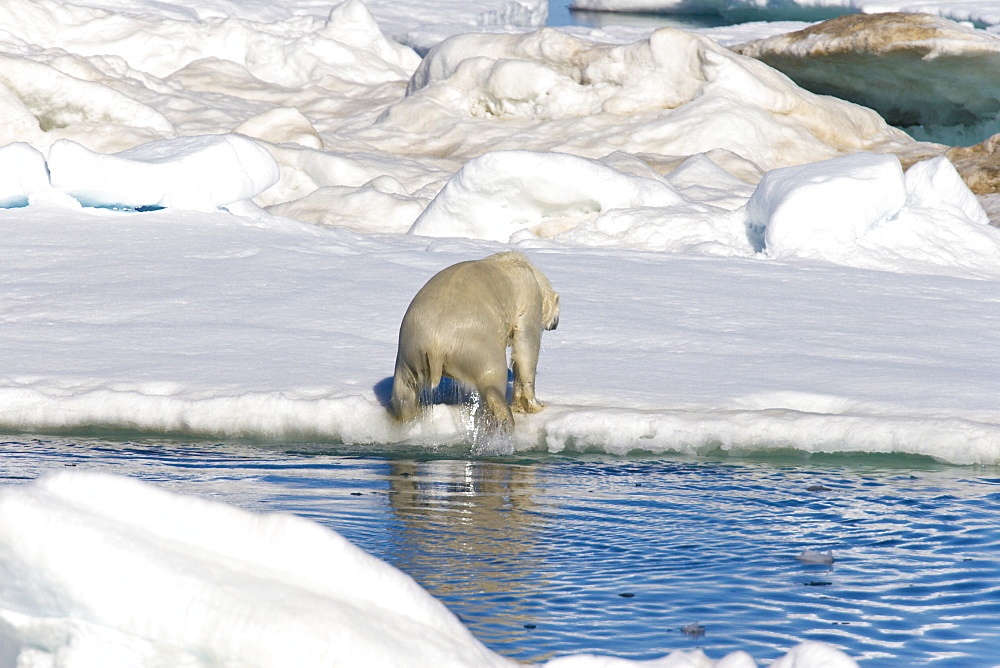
{"type": "Point", "coordinates": [408, 384]}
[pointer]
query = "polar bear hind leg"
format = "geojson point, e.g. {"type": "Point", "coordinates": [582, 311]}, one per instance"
{"type": "Point", "coordinates": [487, 374]}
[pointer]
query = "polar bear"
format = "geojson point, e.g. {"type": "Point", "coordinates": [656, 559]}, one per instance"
{"type": "Point", "coordinates": [460, 325]}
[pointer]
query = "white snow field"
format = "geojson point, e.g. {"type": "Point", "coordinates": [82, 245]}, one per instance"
{"type": "Point", "coordinates": [215, 214]}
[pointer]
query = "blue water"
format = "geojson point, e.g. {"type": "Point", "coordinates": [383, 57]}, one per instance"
{"type": "Point", "coordinates": [562, 14]}
{"type": "Point", "coordinates": [552, 555]}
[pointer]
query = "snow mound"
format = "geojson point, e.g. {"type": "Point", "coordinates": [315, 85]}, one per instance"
{"type": "Point", "coordinates": [674, 94]}
{"type": "Point", "coordinates": [810, 209]}
{"type": "Point", "coordinates": [861, 211]}
{"type": "Point", "coordinates": [502, 193]}
{"type": "Point", "coordinates": [295, 51]}
{"type": "Point", "coordinates": [379, 206]}
{"type": "Point", "coordinates": [200, 173]}
{"type": "Point", "coordinates": [23, 174]}
{"type": "Point", "coordinates": [39, 103]}
{"type": "Point", "coordinates": [99, 570]}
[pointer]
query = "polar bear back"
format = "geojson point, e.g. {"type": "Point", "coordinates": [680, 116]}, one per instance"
{"type": "Point", "coordinates": [476, 305]}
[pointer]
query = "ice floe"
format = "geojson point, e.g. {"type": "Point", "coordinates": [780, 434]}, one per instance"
{"type": "Point", "coordinates": [981, 12]}
{"type": "Point", "coordinates": [936, 77]}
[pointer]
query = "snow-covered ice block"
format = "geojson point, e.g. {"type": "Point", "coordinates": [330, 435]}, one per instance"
{"type": "Point", "coordinates": [501, 193]}
{"type": "Point", "coordinates": [201, 173]}
{"type": "Point", "coordinates": [810, 209]}
{"type": "Point", "coordinates": [22, 174]}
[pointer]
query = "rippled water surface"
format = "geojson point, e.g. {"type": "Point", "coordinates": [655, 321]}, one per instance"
{"type": "Point", "coordinates": [551, 555]}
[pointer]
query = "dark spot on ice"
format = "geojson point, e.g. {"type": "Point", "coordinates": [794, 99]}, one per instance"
{"type": "Point", "coordinates": [355, 493]}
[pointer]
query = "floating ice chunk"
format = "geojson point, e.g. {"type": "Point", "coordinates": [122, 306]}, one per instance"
{"type": "Point", "coordinates": [809, 210]}
{"type": "Point", "coordinates": [23, 174]}
{"type": "Point", "coordinates": [914, 69]}
{"type": "Point", "coordinates": [503, 192]}
{"type": "Point", "coordinates": [694, 630]}
{"type": "Point", "coordinates": [106, 570]}
{"type": "Point", "coordinates": [201, 173]}
{"type": "Point", "coordinates": [815, 557]}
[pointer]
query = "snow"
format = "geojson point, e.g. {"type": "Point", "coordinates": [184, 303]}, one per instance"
{"type": "Point", "coordinates": [744, 267]}
{"type": "Point", "coordinates": [23, 174]}
{"type": "Point", "coordinates": [99, 570]}
{"type": "Point", "coordinates": [861, 210]}
{"type": "Point", "coordinates": [673, 93]}
{"type": "Point", "coordinates": [501, 193]}
{"type": "Point", "coordinates": [199, 173]}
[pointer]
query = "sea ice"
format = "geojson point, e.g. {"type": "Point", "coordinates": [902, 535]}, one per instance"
{"type": "Point", "coordinates": [983, 12]}
{"type": "Point", "coordinates": [926, 73]}
{"type": "Point", "coordinates": [196, 320]}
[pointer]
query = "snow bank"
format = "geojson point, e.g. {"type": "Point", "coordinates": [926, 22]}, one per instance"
{"type": "Point", "coordinates": [857, 210]}
{"type": "Point", "coordinates": [861, 211]}
{"type": "Point", "coordinates": [197, 173]}
{"type": "Point", "coordinates": [812, 209]}
{"type": "Point", "coordinates": [23, 174]}
{"type": "Point", "coordinates": [504, 192]}
{"type": "Point", "coordinates": [673, 94]}
{"type": "Point", "coordinates": [296, 51]}
{"type": "Point", "coordinates": [100, 570]}
{"type": "Point", "coordinates": [39, 103]}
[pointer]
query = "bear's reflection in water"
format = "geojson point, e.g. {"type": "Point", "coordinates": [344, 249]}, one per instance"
{"type": "Point", "coordinates": [470, 530]}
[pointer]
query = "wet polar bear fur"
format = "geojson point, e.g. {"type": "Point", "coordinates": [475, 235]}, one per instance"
{"type": "Point", "coordinates": [460, 325]}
